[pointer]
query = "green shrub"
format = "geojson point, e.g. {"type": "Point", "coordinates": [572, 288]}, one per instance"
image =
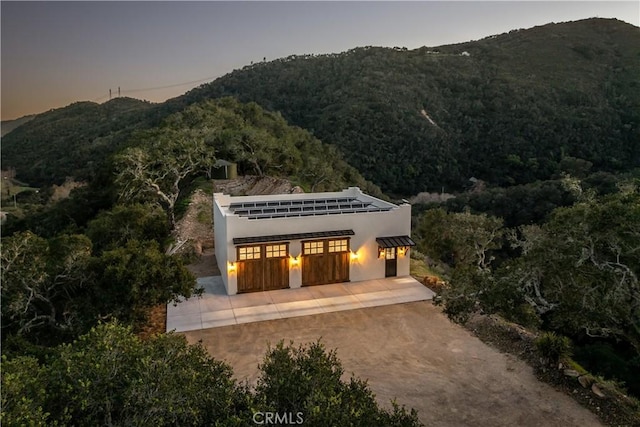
{"type": "Point", "coordinates": [307, 380]}
{"type": "Point", "coordinates": [553, 347]}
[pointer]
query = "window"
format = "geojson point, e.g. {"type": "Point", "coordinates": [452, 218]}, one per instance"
{"type": "Point", "coordinates": [248, 252]}
{"type": "Point", "coordinates": [390, 253]}
{"type": "Point", "coordinates": [276, 251]}
{"type": "Point", "coordinates": [338, 245]}
{"type": "Point", "coordinates": [311, 248]}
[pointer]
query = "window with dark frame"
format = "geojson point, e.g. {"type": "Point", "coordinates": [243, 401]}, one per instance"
{"type": "Point", "coordinates": [276, 251]}
{"type": "Point", "coordinates": [313, 248]}
{"type": "Point", "coordinates": [248, 252]}
{"type": "Point", "coordinates": [341, 245]}
{"type": "Point", "coordinates": [389, 253]}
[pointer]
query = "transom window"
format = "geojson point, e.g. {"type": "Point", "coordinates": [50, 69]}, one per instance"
{"type": "Point", "coordinates": [341, 245]}
{"type": "Point", "coordinates": [312, 248]}
{"type": "Point", "coordinates": [276, 251]}
{"type": "Point", "coordinates": [248, 252]}
{"type": "Point", "coordinates": [390, 253]}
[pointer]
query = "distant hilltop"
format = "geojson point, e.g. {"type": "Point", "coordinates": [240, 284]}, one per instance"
{"type": "Point", "coordinates": [7, 126]}
{"type": "Point", "coordinates": [510, 109]}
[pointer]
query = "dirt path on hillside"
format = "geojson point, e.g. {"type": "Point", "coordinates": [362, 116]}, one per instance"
{"type": "Point", "coordinates": [411, 352]}
{"type": "Point", "coordinates": [251, 185]}
{"type": "Point", "coordinates": [194, 231]}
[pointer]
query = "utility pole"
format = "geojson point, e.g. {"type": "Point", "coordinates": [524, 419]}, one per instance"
{"type": "Point", "coordinates": [118, 91]}
{"type": "Point", "coordinates": [109, 94]}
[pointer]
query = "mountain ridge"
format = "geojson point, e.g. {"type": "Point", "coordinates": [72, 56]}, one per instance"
{"type": "Point", "coordinates": [488, 93]}
{"type": "Point", "coordinates": [506, 109]}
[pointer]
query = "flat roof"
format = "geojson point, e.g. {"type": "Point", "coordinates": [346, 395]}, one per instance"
{"type": "Point", "coordinates": [304, 207]}
{"type": "Point", "coordinates": [348, 201]}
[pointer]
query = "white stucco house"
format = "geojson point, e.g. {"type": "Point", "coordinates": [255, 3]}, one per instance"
{"type": "Point", "coordinates": [293, 240]}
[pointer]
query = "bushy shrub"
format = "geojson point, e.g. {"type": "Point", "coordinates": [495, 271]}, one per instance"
{"type": "Point", "coordinates": [110, 376]}
{"type": "Point", "coordinates": [307, 381]}
{"type": "Point", "coordinates": [553, 347]}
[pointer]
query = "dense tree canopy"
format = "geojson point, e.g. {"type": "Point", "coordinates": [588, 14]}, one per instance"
{"type": "Point", "coordinates": [155, 169]}
{"type": "Point", "coordinates": [575, 274]}
{"type": "Point", "coordinates": [74, 140]}
{"type": "Point", "coordinates": [113, 228]}
{"type": "Point", "coordinates": [460, 238]}
{"type": "Point", "coordinates": [132, 278]}
{"type": "Point", "coordinates": [519, 107]}
{"type": "Point", "coordinates": [580, 270]}
{"type": "Point", "coordinates": [142, 137]}
{"type": "Point", "coordinates": [307, 380]}
{"type": "Point", "coordinates": [55, 288]}
{"type": "Point", "coordinates": [111, 377]}
{"type": "Point", "coordinates": [40, 280]}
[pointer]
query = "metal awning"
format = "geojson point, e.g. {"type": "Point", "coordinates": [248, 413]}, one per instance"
{"type": "Point", "coordinates": [295, 236]}
{"type": "Point", "coordinates": [395, 241]}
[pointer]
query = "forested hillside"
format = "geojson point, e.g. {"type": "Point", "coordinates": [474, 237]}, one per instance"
{"type": "Point", "coordinates": [77, 140]}
{"type": "Point", "coordinates": [73, 140]}
{"type": "Point", "coordinates": [506, 109]}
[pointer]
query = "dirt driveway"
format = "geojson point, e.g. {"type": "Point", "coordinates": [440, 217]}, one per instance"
{"type": "Point", "coordinates": [412, 352]}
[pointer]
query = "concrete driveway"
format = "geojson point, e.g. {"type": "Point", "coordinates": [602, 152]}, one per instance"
{"type": "Point", "coordinates": [215, 308]}
{"type": "Point", "coordinates": [411, 352]}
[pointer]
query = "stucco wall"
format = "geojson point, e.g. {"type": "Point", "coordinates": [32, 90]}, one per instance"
{"type": "Point", "coordinates": [366, 226]}
{"type": "Point", "coordinates": [220, 240]}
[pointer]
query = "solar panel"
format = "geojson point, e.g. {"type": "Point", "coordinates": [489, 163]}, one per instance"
{"type": "Point", "coordinates": [309, 207]}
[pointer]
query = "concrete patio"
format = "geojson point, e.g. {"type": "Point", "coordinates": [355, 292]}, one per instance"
{"type": "Point", "coordinates": [215, 308]}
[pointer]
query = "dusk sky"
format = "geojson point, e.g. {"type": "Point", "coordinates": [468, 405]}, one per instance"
{"type": "Point", "coordinates": [56, 53]}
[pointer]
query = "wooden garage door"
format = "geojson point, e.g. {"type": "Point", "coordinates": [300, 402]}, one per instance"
{"type": "Point", "coordinates": [275, 273]}
{"type": "Point", "coordinates": [325, 261]}
{"type": "Point", "coordinates": [263, 267]}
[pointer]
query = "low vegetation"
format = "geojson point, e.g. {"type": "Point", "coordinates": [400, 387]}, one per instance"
{"type": "Point", "coordinates": [553, 347]}
{"type": "Point", "coordinates": [109, 376]}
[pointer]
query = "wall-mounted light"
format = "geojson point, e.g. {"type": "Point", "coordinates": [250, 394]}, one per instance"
{"type": "Point", "coordinates": [231, 267]}
{"type": "Point", "coordinates": [380, 252]}
{"type": "Point", "coordinates": [401, 251]}
{"type": "Point", "coordinates": [294, 261]}
{"type": "Point", "coordinates": [353, 256]}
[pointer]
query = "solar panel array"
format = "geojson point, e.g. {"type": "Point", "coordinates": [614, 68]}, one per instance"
{"type": "Point", "coordinates": [308, 207]}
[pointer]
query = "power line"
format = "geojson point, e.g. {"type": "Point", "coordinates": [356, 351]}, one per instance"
{"type": "Point", "coordinates": [148, 89]}
{"type": "Point", "coordinates": [168, 86]}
